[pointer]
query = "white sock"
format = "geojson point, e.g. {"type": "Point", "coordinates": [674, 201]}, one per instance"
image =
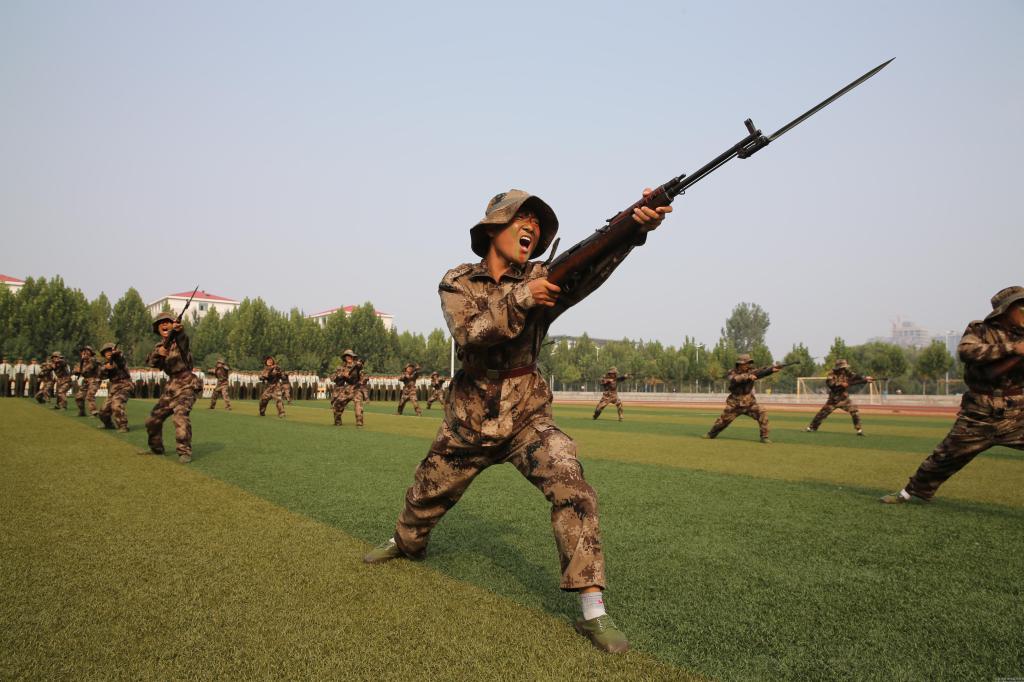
{"type": "Point", "coordinates": [592, 604]}
{"type": "Point", "coordinates": [904, 494]}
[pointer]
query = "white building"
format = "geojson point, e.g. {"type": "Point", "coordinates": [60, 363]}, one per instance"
{"type": "Point", "coordinates": [203, 303]}
{"type": "Point", "coordinates": [321, 317]}
{"type": "Point", "coordinates": [907, 334]}
{"type": "Point", "coordinates": [12, 283]}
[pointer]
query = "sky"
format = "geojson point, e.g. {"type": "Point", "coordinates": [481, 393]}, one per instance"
{"type": "Point", "coordinates": [325, 154]}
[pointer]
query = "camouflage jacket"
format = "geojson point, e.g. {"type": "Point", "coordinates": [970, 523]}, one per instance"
{"type": "Point", "coordinates": [497, 326]}
{"type": "Point", "coordinates": [117, 371]}
{"type": "Point", "coordinates": [839, 382]}
{"type": "Point", "coordinates": [437, 384]}
{"type": "Point", "coordinates": [610, 385]}
{"type": "Point", "coordinates": [45, 372]}
{"type": "Point", "coordinates": [61, 371]}
{"type": "Point", "coordinates": [346, 375]}
{"type": "Point", "coordinates": [221, 371]}
{"type": "Point", "coordinates": [983, 343]}
{"type": "Point", "coordinates": [409, 381]}
{"type": "Point", "coordinates": [741, 384]}
{"type": "Point", "coordinates": [272, 375]}
{"type": "Point", "coordinates": [88, 369]}
{"type": "Point", "coordinates": [178, 362]}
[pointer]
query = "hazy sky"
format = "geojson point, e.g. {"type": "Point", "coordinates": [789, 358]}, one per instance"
{"type": "Point", "coordinates": [321, 154]}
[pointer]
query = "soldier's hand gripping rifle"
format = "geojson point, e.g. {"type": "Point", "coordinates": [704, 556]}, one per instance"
{"type": "Point", "coordinates": [621, 230]}
{"type": "Point", "coordinates": [765, 371]}
{"type": "Point", "coordinates": [170, 337]}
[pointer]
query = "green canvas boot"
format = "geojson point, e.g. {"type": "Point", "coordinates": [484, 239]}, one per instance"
{"type": "Point", "coordinates": [383, 552]}
{"type": "Point", "coordinates": [896, 498]}
{"type": "Point", "coordinates": [603, 634]}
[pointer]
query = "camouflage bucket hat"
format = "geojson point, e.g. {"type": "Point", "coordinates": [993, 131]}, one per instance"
{"type": "Point", "coordinates": [88, 348]}
{"type": "Point", "coordinates": [56, 354]}
{"type": "Point", "coordinates": [348, 352]}
{"type": "Point", "coordinates": [267, 357]}
{"type": "Point", "coordinates": [161, 317]}
{"type": "Point", "coordinates": [743, 359]}
{"type": "Point", "coordinates": [613, 370]}
{"type": "Point", "coordinates": [500, 211]}
{"type": "Point", "coordinates": [841, 364]}
{"type": "Point", "coordinates": [1002, 301]}
{"type": "Point", "coordinates": [106, 347]}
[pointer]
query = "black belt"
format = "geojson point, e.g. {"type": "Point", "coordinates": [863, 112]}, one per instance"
{"type": "Point", "coordinates": [1000, 392]}
{"type": "Point", "coordinates": [501, 374]}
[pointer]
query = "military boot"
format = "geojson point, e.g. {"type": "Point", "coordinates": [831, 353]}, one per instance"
{"type": "Point", "coordinates": [184, 459]}
{"type": "Point", "coordinates": [897, 498]}
{"type": "Point", "coordinates": [603, 634]}
{"type": "Point", "coordinates": [383, 552]}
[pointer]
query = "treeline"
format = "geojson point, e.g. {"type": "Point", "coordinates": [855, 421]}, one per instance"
{"type": "Point", "coordinates": [46, 315]}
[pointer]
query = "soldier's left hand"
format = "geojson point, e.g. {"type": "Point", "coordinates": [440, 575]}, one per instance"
{"type": "Point", "coordinates": [650, 218]}
{"type": "Point", "coordinates": [177, 327]}
{"type": "Point", "coordinates": [870, 380]}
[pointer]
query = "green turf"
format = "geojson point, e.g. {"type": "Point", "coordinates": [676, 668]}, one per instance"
{"type": "Point", "coordinates": [726, 558]}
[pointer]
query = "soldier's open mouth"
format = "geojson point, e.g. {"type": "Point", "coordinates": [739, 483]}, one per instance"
{"type": "Point", "coordinates": [525, 242]}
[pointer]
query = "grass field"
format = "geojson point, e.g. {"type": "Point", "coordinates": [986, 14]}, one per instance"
{"type": "Point", "coordinates": [727, 559]}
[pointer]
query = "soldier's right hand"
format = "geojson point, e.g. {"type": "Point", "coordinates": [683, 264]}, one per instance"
{"type": "Point", "coordinates": [544, 292]}
{"type": "Point", "coordinates": [1018, 348]}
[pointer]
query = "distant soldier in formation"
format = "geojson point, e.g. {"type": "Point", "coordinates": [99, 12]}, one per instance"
{"type": "Point", "coordinates": [992, 409]}
{"type": "Point", "coordinates": [20, 378]}
{"type": "Point", "coordinates": [174, 357]}
{"type": "Point", "coordinates": [88, 372]}
{"type": "Point", "coordinates": [610, 383]}
{"type": "Point", "coordinates": [408, 379]}
{"type": "Point", "coordinates": [34, 375]}
{"type": "Point", "coordinates": [436, 389]}
{"type": "Point", "coordinates": [45, 380]}
{"type": "Point", "coordinates": [222, 372]}
{"type": "Point", "coordinates": [348, 387]}
{"type": "Point", "coordinates": [839, 381]}
{"type": "Point", "coordinates": [61, 380]}
{"type": "Point", "coordinates": [741, 398]}
{"type": "Point", "coordinates": [272, 377]}
{"type": "Point", "coordinates": [6, 377]}
{"type": "Point", "coordinates": [119, 388]}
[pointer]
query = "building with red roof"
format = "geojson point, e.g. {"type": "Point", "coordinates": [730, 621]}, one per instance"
{"type": "Point", "coordinates": [203, 303]}
{"type": "Point", "coordinates": [12, 283]}
{"type": "Point", "coordinates": [321, 317]}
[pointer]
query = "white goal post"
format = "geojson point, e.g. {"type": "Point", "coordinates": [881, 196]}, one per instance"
{"type": "Point", "coordinates": [814, 389]}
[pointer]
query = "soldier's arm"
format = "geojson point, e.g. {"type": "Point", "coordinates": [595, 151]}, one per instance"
{"type": "Point", "coordinates": [480, 323]}
{"type": "Point", "coordinates": [976, 350]}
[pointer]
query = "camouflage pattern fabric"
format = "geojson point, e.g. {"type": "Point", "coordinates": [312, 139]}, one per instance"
{"type": "Point", "coordinates": [222, 372]}
{"type": "Point", "coordinates": [347, 389]}
{"type": "Point", "coordinates": [114, 413]}
{"type": "Point", "coordinates": [89, 372]}
{"type": "Point", "coordinates": [409, 392]}
{"type": "Point", "coordinates": [436, 391]}
{"type": "Point", "coordinates": [498, 326]}
{"type": "Point", "coordinates": [741, 401]}
{"type": "Point", "coordinates": [839, 382]}
{"type": "Point", "coordinates": [273, 377]}
{"type": "Point", "coordinates": [610, 384]}
{"type": "Point", "coordinates": [985, 420]}
{"type": "Point", "coordinates": [61, 383]}
{"type": "Point", "coordinates": [176, 399]}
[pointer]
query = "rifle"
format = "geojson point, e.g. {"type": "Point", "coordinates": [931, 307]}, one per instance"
{"type": "Point", "coordinates": [765, 371]}
{"type": "Point", "coordinates": [621, 230]}
{"type": "Point", "coordinates": [170, 337]}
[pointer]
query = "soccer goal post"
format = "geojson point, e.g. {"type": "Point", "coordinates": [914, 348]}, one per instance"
{"type": "Point", "coordinates": [814, 389]}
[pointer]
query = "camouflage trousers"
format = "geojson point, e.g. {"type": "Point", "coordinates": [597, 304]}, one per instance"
{"type": "Point", "coordinates": [175, 402]}
{"type": "Point", "coordinates": [341, 400]}
{"type": "Point", "coordinates": [86, 395]}
{"type": "Point", "coordinates": [43, 392]}
{"type": "Point", "coordinates": [831, 406]}
{"type": "Point", "coordinates": [407, 396]}
{"type": "Point", "coordinates": [221, 389]}
{"type": "Point", "coordinates": [435, 397]}
{"type": "Point", "coordinates": [735, 407]}
{"type": "Point", "coordinates": [605, 401]}
{"type": "Point", "coordinates": [286, 392]}
{"type": "Point", "coordinates": [977, 428]}
{"type": "Point", "coordinates": [113, 413]}
{"type": "Point", "coordinates": [547, 458]}
{"type": "Point", "coordinates": [271, 392]}
{"type": "Point", "coordinates": [60, 392]}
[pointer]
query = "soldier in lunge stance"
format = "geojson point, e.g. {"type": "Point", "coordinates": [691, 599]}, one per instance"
{"type": "Point", "coordinates": [610, 384]}
{"type": "Point", "coordinates": [222, 371]}
{"type": "Point", "coordinates": [839, 381]}
{"type": "Point", "coordinates": [119, 388]}
{"type": "Point", "coordinates": [88, 372]}
{"type": "Point", "coordinates": [436, 389]}
{"type": "Point", "coordinates": [272, 376]}
{"type": "Point", "coordinates": [992, 409]}
{"type": "Point", "coordinates": [348, 387]}
{"type": "Point", "coordinates": [408, 379]}
{"type": "Point", "coordinates": [498, 407]}
{"type": "Point", "coordinates": [174, 357]}
{"type": "Point", "coordinates": [61, 380]}
{"type": "Point", "coordinates": [741, 398]}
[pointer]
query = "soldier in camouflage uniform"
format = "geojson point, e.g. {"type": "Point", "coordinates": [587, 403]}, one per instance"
{"type": "Point", "coordinates": [88, 372]}
{"type": "Point", "coordinates": [610, 384]}
{"type": "Point", "coordinates": [179, 394]}
{"type": "Point", "coordinates": [114, 369]}
{"type": "Point", "coordinates": [498, 407]}
{"type": "Point", "coordinates": [408, 379]}
{"type": "Point", "coordinates": [286, 387]}
{"type": "Point", "coordinates": [839, 381]}
{"type": "Point", "coordinates": [222, 372]}
{"type": "Point", "coordinates": [741, 398]}
{"type": "Point", "coordinates": [348, 387]}
{"type": "Point", "coordinates": [45, 382]}
{"type": "Point", "coordinates": [436, 389]}
{"type": "Point", "coordinates": [992, 409]}
{"type": "Point", "coordinates": [273, 377]}
{"type": "Point", "coordinates": [61, 380]}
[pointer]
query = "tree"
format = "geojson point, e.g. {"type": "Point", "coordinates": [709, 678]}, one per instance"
{"type": "Point", "coordinates": [746, 327]}
{"type": "Point", "coordinates": [368, 335]}
{"type": "Point", "coordinates": [100, 331]}
{"type": "Point", "coordinates": [132, 326]}
{"type": "Point", "coordinates": [838, 350]}
{"type": "Point", "coordinates": [805, 367]}
{"type": "Point", "coordinates": [933, 362]}
{"type": "Point", "coordinates": [437, 357]}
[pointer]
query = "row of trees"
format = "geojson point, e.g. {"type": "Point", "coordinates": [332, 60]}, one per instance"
{"type": "Point", "coordinates": [47, 315]}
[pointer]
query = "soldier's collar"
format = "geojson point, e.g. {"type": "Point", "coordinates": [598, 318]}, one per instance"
{"type": "Point", "coordinates": [515, 271]}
